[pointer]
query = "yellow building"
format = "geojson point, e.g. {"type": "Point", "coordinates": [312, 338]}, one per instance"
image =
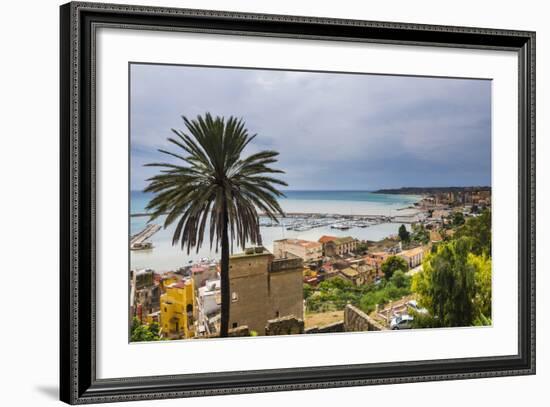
{"type": "Point", "coordinates": [177, 310]}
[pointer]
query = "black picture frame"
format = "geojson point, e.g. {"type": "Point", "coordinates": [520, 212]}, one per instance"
{"type": "Point", "coordinates": [78, 382]}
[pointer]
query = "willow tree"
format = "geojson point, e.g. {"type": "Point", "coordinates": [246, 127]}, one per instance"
{"type": "Point", "coordinates": [208, 181]}
{"type": "Point", "coordinates": [447, 286]}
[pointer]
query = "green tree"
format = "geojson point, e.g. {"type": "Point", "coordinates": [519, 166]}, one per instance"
{"type": "Point", "coordinates": [483, 282]}
{"type": "Point", "coordinates": [213, 184]}
{"type": "Point", "coordinates": [399, 279]}
{"type": "Point", "coordinates": [458, 219]}
{"type": "Point", "coordinates": [447, 284]}
{"type": "Point", "coordinates": [144, 333]}
{"type": "Point", "coordinates": [361, 248]}
{"type": "Point", "coordinates": [392, 264]}
{"type": "Point", "coordinates": [154, 328]}
{"type": "Point", "coordinates": [478, 229]}
{"type": "Point", "coordinates": [404, 234]}
{"type": "Point", "coordinates": [383, 294]}
{"type": "Point", "coordinates": [308, 291]}
{"type": "Point", "coordinates": [335, 293]}
{"type": "Point", "coordinates": [420, 234]}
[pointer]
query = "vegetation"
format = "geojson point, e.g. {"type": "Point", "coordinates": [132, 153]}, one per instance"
{"type": "Point", "coordinates": [404, 234]}
{"type": "Point", "coordinates": [483, 292]}
{"type": "Point", "coordinates": [420, 235]}
{"type": "Point", "coordinates": [361, 248]}
{"type": "Point", "coordinates": [144, 333]}
{"type": "Point", "coordinates": [478, 229]}
{"type": "Point", "coordinates": [458, 219]}
{"type": "Point", "coordinates": [214, 185]}
{"type": "Point", "coordinates": [400, 279]}
{"type": "Point", "coordinates": [334, 294]}
{"type": "Point", "coordinates": [381, 296]}
{"type": "Point", "coordinates": [393, 264]}
{"type": "Point", "coordinates": [308, 291]}
{"type": "Point", "coordinates": [447, 284]}
{"type": "Point", "coordinates": [455, 286]}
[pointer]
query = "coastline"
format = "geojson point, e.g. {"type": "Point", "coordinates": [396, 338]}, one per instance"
{"type": "Point", "coordinates": [319, 203]}
{"type": "Point", "coordinates": [380, 212]}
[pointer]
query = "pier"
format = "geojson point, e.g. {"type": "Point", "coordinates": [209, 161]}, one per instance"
{"type": "Point", "coordinates": [139, 240]}
{"type": "Point", "coordinates": [302, 222]}
{"type": "Point", "coordinates": [306, 221]}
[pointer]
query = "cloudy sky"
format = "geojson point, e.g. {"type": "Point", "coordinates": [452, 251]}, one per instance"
{"type": "Point", "coordinates": [333, 131]}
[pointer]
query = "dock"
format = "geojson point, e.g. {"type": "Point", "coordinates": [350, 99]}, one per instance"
{"type": "Point", "coordinates": [139, 240]}
{"type": "Point", "coordinates": [302, 222]}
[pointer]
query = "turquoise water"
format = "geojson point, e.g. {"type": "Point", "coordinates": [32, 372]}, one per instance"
{"type": "Point", "coordinates": [165, 257]}
{"type": "Point", "coordinates": [340, 201]}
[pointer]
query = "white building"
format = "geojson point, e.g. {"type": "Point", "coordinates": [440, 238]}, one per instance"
{"type": "Point", "coordinates": [208, 306]}
{"type": "Point", "coordinates": [413, 257]}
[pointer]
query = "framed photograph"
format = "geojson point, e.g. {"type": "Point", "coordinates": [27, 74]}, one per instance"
{"type": "Point", "coordinates": [255, 203]}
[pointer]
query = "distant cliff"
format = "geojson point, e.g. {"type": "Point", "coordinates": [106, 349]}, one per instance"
{"type": "Point", "coordinates": [430, 190]}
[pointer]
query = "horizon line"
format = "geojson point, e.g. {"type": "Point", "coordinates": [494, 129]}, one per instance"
{"type": "Point", "coordinates": [371, 190]}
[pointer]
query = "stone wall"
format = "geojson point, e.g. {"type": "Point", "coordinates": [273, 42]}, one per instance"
{"type": "Point", "coordinates": [289, 325]}
{"type": "Point", "coordinates": [239, 331]}
{"type": "Point", "coordinates": [356, 320]}
{"type": "Point", "coordinates": [286, 264]}
{"type": "Point", "coordinates": [285, 294]}
{"type": "Point", "coordinates": [330, 328]}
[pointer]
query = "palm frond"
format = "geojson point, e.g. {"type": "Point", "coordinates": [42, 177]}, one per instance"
{"type": "Point", "coordinates": [212, 174]}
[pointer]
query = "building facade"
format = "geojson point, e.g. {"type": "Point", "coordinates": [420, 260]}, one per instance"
{"type": "Point", "coordinates": [177, 310]}
{"type": "Point", "coordinates": [304, 249]}
{"type": "Point", "coordinates": [201, 273]}
{"type": "Point", "coordinates": [359, 274]}
{"type": "Point", "coordinates": [263, 287]}
{"type": "Point", "coordinates": [144, 294]}
{"type": "Point", "coordinates": [413, 257]}
{"type": "Point", "coordinates": [376, 259]}
{"type": "Point", "coordinates": [208, 307]}
{"type": "Point", "coordinates": [337, 246]}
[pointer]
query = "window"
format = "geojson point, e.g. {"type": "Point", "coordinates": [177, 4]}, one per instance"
{"type": "Point", "coordinates": [235, 325]}
{"type": "Point", "coordinates": [234, 297]}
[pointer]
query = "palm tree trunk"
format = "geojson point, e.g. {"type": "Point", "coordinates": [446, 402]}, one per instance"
{"type": "Point", "coordinates": [224, 274]}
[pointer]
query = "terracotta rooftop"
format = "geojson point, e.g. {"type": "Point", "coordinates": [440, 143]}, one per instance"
{"type": "Point", "coordinates": [325, 239]}
{"type": "Point", "coordinates": [180, 284]}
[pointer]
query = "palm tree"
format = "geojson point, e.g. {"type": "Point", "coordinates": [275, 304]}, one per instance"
{"type": "Point", "coordinates": [212, 183]}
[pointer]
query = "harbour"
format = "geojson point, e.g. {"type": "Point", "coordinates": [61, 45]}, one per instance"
{"type": "Point", "coordinates": [364, 215]}
{"type": "Point", "coordinates": [139, 240]}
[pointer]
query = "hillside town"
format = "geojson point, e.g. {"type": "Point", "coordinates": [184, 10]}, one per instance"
{"type": "Point", "coordinates": [332, 284]}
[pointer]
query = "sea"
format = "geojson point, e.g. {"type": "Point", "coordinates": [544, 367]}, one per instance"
{"type": "Point", "coordinates": [165, 257]}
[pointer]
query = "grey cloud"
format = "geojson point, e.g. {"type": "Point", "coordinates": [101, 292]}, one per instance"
{"type": "Point", "coordinates": [334, 131]}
